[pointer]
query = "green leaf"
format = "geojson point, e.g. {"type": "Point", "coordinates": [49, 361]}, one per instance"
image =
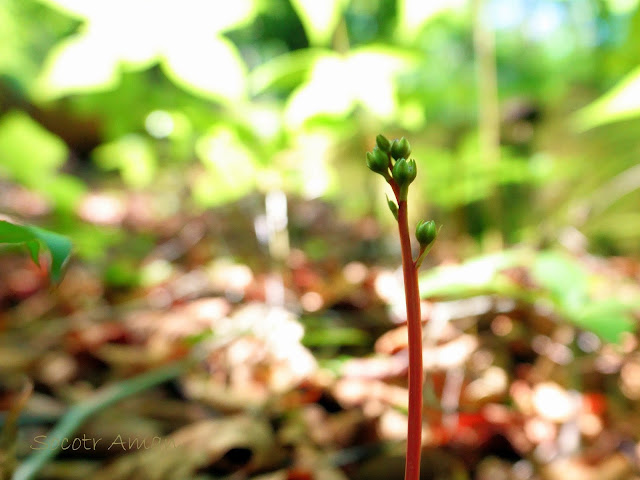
{"type": "Point", "coordinates": [564, 278]}
{"type": "Point", "coordinates": [337, 83]}
{"type": "Point", "coordinates": [285, 71]}
{"type": "Point", "coordinates": [477, 276]}
{"type": "Point", "coordinates": [328, 92]}
{"type": "Point", "coordinates": [319, 18]}
{"type": "Point", "coordinates": [12, 233]}
{"type": "Point", "coordinates": [413, 14]}
{"type": "Point", "coordinates": [58, 245]}
{"type": "Point", "coordinates": [28, 151]}
{"type": "Point", "coordinates": [34, 250]}
{"type": "Point", "coordinates": [620, 103]}
{"type": "Point", "coordinates": [74, 67]}
{"type": "Point", "coordinates": [372, 72]}
{"type": "Point", "coordinates": [606, 318]}
{"type": "Point", "coordinates": [218, 72]}
{"type": "Point", "coordinates": [31, 156]}
{"type": "Point", "coordinates": [194, 54]}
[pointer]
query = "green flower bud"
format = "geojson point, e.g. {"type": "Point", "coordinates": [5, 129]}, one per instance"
{"type": "Point", "coordinates": [400, 148]}
{"type": "Point", "coordinates": [378, 161]}
{"type": "Point", "coordinates": [383, 143]}
{"type": "Point", "coordinates": [404, 172]}
{"type": "Point", "coordinates": [426, 232]}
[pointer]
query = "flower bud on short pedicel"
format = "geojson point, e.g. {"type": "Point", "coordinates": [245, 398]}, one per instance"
{"type": "Point", "coordinates": [426, 232]}
{"type": "Point", "coordinates": [400, 148]}
{"type": "Point", "coordinates": [383, 143]}
{"type": "Point", "coordinates": [404, 172]}
{"type": "Point", "coordinates": [378, 161]}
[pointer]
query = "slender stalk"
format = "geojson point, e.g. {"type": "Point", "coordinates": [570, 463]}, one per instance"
{"type": "Point", "coordinates": [399, 176]}
{"type": "Point", "coordinates": [412, 296]}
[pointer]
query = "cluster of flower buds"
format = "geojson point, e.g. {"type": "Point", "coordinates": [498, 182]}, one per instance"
{"type": "Point", "coordinates": [391, 160]}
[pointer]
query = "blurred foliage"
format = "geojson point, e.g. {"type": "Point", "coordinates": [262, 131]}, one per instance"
{"type": "Point", "coordinates": [33, 156]}
{"type": "Point", "coordinates": [32, 237]}
{"type": "Point", "coordinates": [217, 102]}
{"type": "Point", "coordinates": [557, 280]}
{"type": "Point", "coordinates": [164, 139]}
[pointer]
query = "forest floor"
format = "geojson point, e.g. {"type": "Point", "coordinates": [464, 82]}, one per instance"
{"type": "Point", "coordinates": [297, 356]}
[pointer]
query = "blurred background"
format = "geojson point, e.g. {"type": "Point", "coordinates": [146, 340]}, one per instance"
{"type": "Point", "coordinates": [206, 159]}
{"type": "Point", "coordinates": [521, 113]}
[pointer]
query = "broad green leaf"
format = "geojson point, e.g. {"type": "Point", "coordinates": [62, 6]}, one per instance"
{"type": "Point", "coordinates": [34, 250]}
{"type": "Point", "coordinates": [319, 18]}
{"type": "Point", "coordinates": [620, 103]}
{"type": "Point", "coordinates": [371, 72]}
{"type": "Point", "coordinates": [478, 276]}
{"type": "Point", "coordinates": [607, 318]}
{"type": "Point", "coordinates": [78, 64]}
{"type": "Point", "coordinates": [58, 245]}
{"type": "Point", "coordinates": [285, 71]}
{"type": "Point", "coordinates": [337, 83]}
{"type": "Point", "coordinates": [207, 66]}
{"type": "Point", "coordinates": [184, 36]}
{"type": "Point", "coordinates": [12, 233]}
{"type": "Point", "coordinates": [328, 92]}
{"type": "Point", "coordinates": [564, 278]}
{"type": "Point", "coordinates": [31, 155]}
{"type": "Point", "coordinates": [28, 151]}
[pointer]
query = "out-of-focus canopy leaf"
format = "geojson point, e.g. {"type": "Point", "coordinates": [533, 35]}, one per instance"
{"type": "Point", "coordinates": [285, 71]}
{"type": "Point", "coordinates": [319, 18]}
{"type": "Point", "coordinates": [185, 37]}
{"type": "Point", "coordinates": [206, 65]}
{"type": "Point", "coordinates": [337, 83]}
{"type": "Point", "coordinates": [81, 63]}
{"type": "Point", "coordinates": [32, 155]}
{"type": "Point", "coordinates": [27, 149]}
{"type": "Point", "coordinates": [413, 14]}
{"type": "Point", "coordinates": [620, 103]}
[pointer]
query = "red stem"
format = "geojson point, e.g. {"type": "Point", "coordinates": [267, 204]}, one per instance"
{"type": "Point", "coordinates": [412, 295]}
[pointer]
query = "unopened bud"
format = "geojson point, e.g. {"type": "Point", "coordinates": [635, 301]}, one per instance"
{"type": "Point", "coordinates": [400, 148]}
{"type": "Point", "coordinates": [383, 143]}
{"type": "Point", "coordinates": [426, 232]}
{"type": "Point", "coordinates": [378, 161]}
{"type": "Point", "coordinates": [404, 172]}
